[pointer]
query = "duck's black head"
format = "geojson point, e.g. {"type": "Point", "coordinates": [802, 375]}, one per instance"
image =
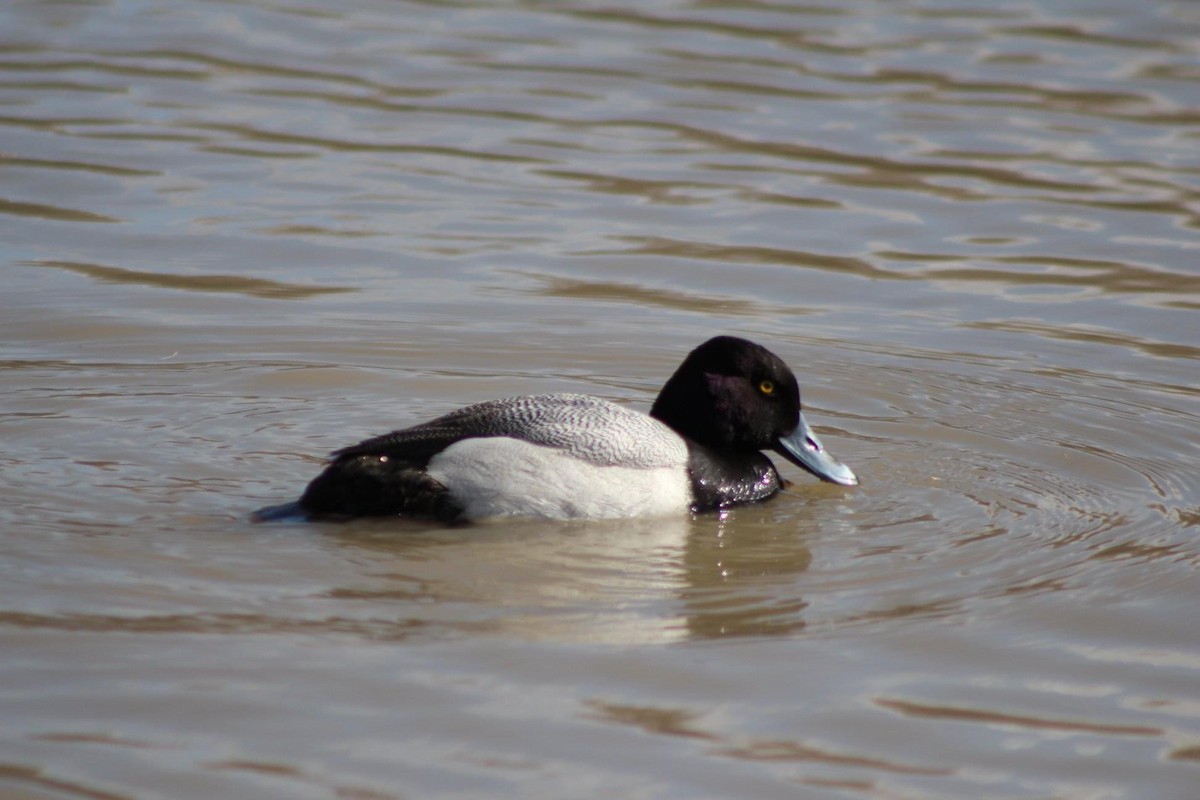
{"type": "Point", "coordinates": [733, 395]}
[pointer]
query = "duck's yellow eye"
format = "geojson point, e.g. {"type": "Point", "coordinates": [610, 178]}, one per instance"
{"type": "Point", "coordinates": [767, 387]}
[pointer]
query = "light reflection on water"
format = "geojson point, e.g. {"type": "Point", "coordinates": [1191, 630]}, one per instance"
{"type": "Point", "coordinates": [239, 236]}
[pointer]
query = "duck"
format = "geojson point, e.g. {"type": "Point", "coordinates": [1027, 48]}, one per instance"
{"type": "Point", "coordinates": [701, 448]}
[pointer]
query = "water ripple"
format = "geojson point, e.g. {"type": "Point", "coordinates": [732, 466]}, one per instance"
{"type": "Point", "coordinates": [254, 287]}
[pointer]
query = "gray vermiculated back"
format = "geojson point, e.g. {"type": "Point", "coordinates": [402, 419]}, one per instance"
{"type": "Point", "coordinates": [585, 427]}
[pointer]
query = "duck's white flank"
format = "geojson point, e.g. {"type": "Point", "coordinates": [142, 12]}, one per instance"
{"type": "Point", "coordinates": [500, 476]}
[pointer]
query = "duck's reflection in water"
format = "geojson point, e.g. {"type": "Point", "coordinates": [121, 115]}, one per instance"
{"type": "Point", "coordinates": [646, 580]}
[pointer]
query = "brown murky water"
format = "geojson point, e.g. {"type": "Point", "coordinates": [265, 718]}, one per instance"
{"type": "Point", "coordinates": [238, 235]}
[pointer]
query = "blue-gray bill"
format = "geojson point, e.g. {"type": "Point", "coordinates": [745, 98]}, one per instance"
{"type": "Point", "coordinates": [804, 449]}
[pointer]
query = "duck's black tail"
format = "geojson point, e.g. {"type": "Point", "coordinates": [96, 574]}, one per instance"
{"type": "Point", "coordinates": [291, 511]}
{"type": "Point", "coordinates": [377, 485]}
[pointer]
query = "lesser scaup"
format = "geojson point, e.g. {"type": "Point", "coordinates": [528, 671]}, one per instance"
{"type": "Point", "coordinates": [570, 456]}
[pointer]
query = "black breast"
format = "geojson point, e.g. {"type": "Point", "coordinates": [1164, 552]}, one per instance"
{"type": "Point", "coordinates": [721, 480]}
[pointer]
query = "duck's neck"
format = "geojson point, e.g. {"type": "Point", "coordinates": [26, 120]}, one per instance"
{"type": "Point", "coordinates": [684, 405]}
{"type": "Point", "coordinates": [703, 407]}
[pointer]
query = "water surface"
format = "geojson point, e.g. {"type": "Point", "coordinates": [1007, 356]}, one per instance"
{"type": "Point", "coordinates": [238, 235]}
